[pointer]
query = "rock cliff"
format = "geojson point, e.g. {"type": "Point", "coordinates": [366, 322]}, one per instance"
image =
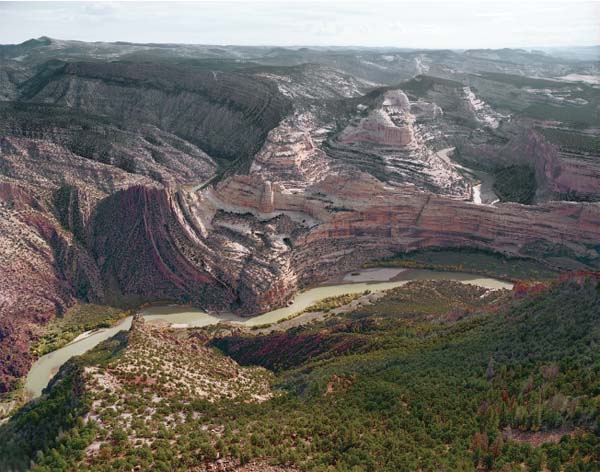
{"type": "Point", "coordinates": [391, 143]}
{"type": "Point", "coordinates": [125, 183]}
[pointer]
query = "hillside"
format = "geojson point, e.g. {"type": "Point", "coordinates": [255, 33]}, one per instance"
{"type": "Point", "coordinates": [242, 109]}
{"type": "Point", "coordinates": [433, 376]}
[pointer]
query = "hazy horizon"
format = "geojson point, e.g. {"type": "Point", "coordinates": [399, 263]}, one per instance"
{"type": "Point", "coordinates": [300, 46]}
{"type": "Point", "coordinates": [411, 25]}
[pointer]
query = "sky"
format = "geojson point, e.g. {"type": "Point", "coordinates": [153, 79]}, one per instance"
{"type": "Point", "coordinates": [410, 24]}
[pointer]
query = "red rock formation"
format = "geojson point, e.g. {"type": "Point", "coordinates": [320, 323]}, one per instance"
{"type": "Point", "coordinates": [34, 277]}
{"type": "Point", "coordinates": [344, 220]}
{"type": "Point", "coordinates": [563, 172]}
{"type": "Point", "coordinates": [378, 128]}
{"type": "Point", "coordinates": [48, 199]}
{"type": "Point", "coordinates": [558, 172]}
{"type": "Point", "coordinates": [251, 241]}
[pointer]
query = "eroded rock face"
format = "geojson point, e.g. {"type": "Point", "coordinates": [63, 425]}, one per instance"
{"type": "Point", "coordinates": [79, 225]}
{"type": "Point", "coordinates": [317, 82]}
{"type": "Point", "coordinates": [564, 171]}
{"type": "Point", "coordinates": [378, 128]}
{"type": "Point", "coordinates": [42, 269]}
{"type": "Point", "coordinates": [49, 199]}
{"type": "Point", "coordinates": [480, 110]}
{"type": "Point", "coordinates": [236, 111]}
{"type": "Point", "coordinates": [559, 172]}
{"type": "Point", "coordinates": [390, 125]}
{"type": "Point", "coordinates": [290, 154]}
{"type": "Point", "coordinates": [263, 255]}
{"type": "Point", "coordinates": [390, 144]}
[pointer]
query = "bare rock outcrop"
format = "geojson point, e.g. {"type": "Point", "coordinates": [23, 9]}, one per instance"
{"type": "Point", "coordinates": [146, 215]}
{"type": "Point", "coordinates": [390, 144]}
{"type": "Point", "coordinates": [560, 172]}
{"type": "Point", "coordinates": [252, 258]}
{"type": "Point", "coordinates": [290, 154]}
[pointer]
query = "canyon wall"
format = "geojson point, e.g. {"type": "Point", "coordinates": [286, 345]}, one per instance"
{"type": "Point", "coordinates": [127, 206]}
{"type": "Point", "coordinates": [559, 172]}
{"type": "Point", "coordinates": [252, 256]}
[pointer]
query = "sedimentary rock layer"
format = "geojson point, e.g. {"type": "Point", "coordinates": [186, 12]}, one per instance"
{"type": "Point", "coordinates": [140, 215]}
{"type": "Point", "coordinates": [260, 242]}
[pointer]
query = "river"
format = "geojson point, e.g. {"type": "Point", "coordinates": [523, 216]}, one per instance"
{"type": "Point", "coordinates": [182, 317]}
{"type": "Point", "coordinates": [483, 190]}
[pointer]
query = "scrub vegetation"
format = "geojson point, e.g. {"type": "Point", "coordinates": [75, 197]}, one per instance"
{"type": "Point", "coordinates": [78, 319]}
{"type": "Point", "coordinates": [433, 376]}
{"type": "Point", "coordinates": [470, 260]}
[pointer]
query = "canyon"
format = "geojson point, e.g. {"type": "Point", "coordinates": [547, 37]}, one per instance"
{"type": "Point", "coordinates": [231, 187]}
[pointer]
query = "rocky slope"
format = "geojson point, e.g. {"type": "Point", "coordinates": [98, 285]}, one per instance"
{"type": "Point", "coordinates": [264, 239]}
{"type": "Point", "coordinates": [563, 170]}
{"type": "Point", "coordinates": [225, 114]}
{"type": "Point", "coordinates": [124, 183]}
{"type": "Point", "coordinates": [387, 142]}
